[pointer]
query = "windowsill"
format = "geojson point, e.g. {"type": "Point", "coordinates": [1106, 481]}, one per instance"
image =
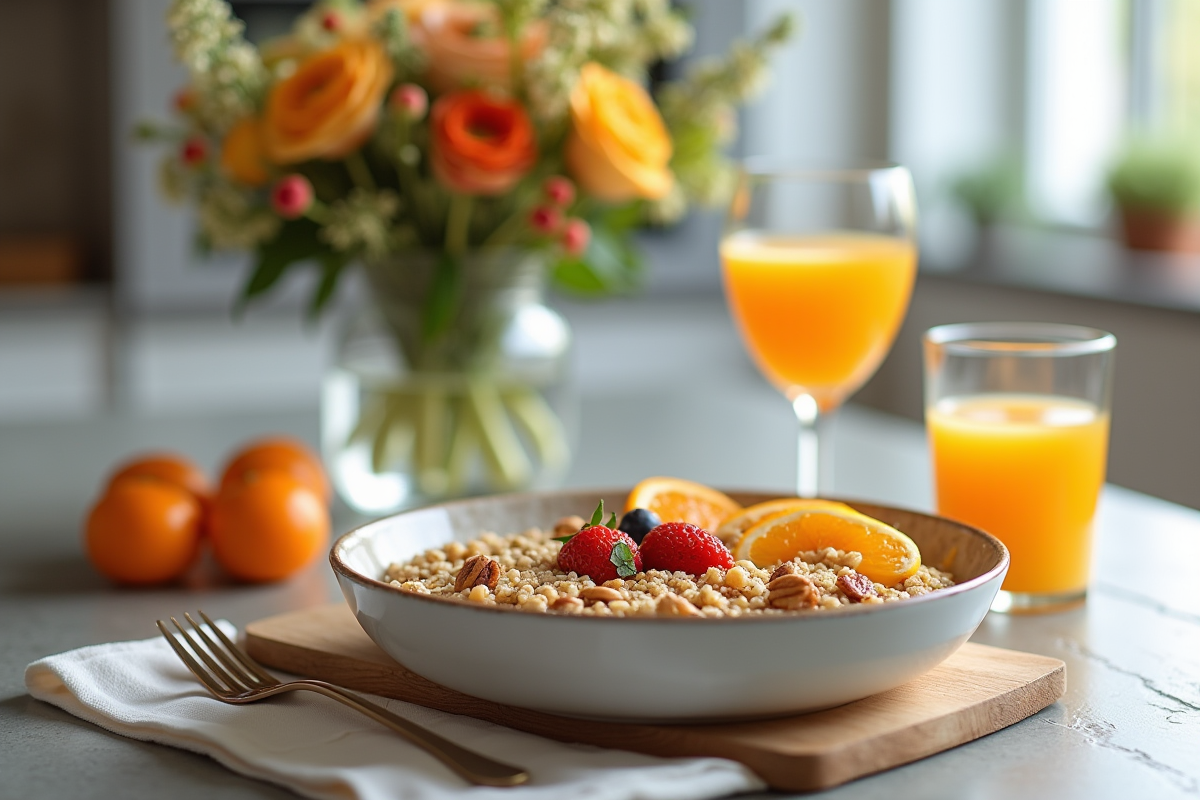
{"type": "Point", "coordinates": [1074, 263]}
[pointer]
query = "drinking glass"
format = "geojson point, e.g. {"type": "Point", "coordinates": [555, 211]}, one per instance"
{"type": "Point", "coordinates": [1018, 416]}
{"type": "Point", "coordinates": [818, 264]}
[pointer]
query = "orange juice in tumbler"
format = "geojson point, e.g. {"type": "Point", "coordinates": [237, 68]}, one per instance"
{"type": "Point", "coordinates": [818, 312]}
{"type": "Point", "coordinates": [1028, 469]}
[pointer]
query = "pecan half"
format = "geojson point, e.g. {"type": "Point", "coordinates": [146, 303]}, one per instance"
{"type": "Point", "coordinates": [793, 592]}
{"type": "Point", "coordinates": [786, 568]}
{"type": "Point", "coordinates": [672, 605]}
{"type": "Point", "coordinates": [477, 571]}
{"type": "Point", "coordinates": [599, 594]}
{"type": "Point", "coordinates": [567, 604]}
{"type": "Point", "coordinates": [856, 586]}
{"type": "Point", "coordinates": [566, 526]}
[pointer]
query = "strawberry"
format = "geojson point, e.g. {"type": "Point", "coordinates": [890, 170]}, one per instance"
{"type": "Point", "coordinates": [599, 551]}
{"type": "Point", "coordinates": [683, 547]}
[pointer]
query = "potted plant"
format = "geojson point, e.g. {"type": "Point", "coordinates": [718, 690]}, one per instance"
{"type": "Point", "coordinates": [991, 191]}
{"type": "Point", "coordinates": [1155, 186]}
{"type": "Point", "coordinates": [462, 155]}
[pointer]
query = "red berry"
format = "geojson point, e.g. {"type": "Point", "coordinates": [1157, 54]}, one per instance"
{"type": "Point", "coordinates": [559, 190]}
{"type": "Point", "coordinates": [292, 196]}
{"type": "Point", "coordinates": [331, 21]}
{"type": "Point", "coordinates": [411, 100]}
{"type": "Point", "coordinates": [194, 151]}
{"type": "Point", "coordinates": [546, 219]}
{"type": "Point", "coordinates": [683, 547]}
{"type": "Point", "coordinates": [591, 552]}
{"type": "Point", "coordinates": [575, 236]}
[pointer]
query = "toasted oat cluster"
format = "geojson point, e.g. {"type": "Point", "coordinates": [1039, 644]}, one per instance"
{"type": "Point", "coordinates": [521, 571]}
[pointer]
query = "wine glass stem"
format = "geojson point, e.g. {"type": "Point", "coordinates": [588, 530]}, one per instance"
{"type": "Point", "coordinates": [808, 447]}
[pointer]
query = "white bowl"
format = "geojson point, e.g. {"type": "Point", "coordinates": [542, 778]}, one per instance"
{"type": "Point", "coordinates": [649, 668]}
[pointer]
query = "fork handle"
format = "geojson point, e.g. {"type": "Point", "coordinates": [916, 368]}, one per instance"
{"type": "Point", "coordinates": [474, 767]}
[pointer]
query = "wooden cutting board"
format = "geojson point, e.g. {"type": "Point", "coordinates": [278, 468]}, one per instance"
{"type": "Point", "coordinates": [977, 691]}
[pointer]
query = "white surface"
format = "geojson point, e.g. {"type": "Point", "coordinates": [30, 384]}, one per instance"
{"type": "Point", "coordinates": [189, 364]}
{"type": "Point", "coordinates": [53, 366]}
{"type": "Point", "coordinates": [321, 749]}
{"type": "Point", "coordinates": [640, 668]}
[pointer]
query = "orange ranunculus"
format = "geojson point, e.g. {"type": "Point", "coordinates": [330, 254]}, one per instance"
{"type": "Point", "coordinates": [329, 105]}
{"type": "Point", "coordinates": [242, 157]}
{"type": "Point", "coordinates": [480, 144]}
{"type": "Point", "coordinates": [618, 147]}
{"type": "Point", "coordinates": [460, 57]}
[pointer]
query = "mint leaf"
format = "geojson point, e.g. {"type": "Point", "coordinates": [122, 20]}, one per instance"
{"type": "Point", "coordinates": [622, 558]}
{"type": "Point", "coordinates": [597, 516]}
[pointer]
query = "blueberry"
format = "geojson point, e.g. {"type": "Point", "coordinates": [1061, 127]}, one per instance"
{"type": "Point", "coordinates": [637, 522]}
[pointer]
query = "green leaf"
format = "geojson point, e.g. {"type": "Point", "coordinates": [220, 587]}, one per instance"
{"type": "Point", "coordinates": [332, 265]}
{"type": "Point", "coordinates": [597, 515]}
{"type": "Point", "coordinates": [564, 539]}
{"type": "Point", "coordinates": [622, 558]}
{"type": "Point", "coordinates": [443, 299]}
{"type": "Point", "coordinates": [296, 242]}
{"type": "Point", "coordinates": [577, 277]}
{"type": "Point", "coordinates": [619, 220]}
{"type": "Point", "coordinates": [610, 265]}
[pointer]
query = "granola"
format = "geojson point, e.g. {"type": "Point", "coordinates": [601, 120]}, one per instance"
{"type": "Point", "coordinates": [527, 577]}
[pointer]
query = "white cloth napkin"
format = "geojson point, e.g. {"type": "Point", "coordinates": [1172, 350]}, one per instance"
{"type": "Point", "coordinates": [319, 748]}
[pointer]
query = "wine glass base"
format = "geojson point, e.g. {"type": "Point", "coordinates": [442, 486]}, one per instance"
{"type": "Point", "coordinates": [1030, 603]}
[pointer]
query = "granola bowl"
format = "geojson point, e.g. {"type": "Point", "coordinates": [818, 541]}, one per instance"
{"type": "Point", "coordinates": [652, 667]}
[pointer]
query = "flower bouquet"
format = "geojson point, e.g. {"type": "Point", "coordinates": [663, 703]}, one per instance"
{"type": "Point", "coordinates": [460, 153]}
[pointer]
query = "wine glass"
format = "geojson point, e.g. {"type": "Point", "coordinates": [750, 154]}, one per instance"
{"type": "Point", "coordinates": [818, 263]}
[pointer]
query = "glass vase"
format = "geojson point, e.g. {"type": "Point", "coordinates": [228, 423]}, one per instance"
{"type": "Point", "coordinates": [453, 381]}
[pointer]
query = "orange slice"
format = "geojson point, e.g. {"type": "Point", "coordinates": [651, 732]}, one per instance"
{"type": "Point", "coordinates": [889, 556]}
{"type": "Point", "coordinates": [732, 527]}
{"type": "Point", "coordinates": [676, 499]}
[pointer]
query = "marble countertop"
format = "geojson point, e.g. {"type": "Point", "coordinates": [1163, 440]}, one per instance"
{"type": "Point", "coordinates": [1128, 726]}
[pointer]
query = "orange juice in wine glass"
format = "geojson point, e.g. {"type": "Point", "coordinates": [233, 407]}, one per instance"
{"type": "Point", "coordinates": [818, 312]}
{"type": "Point", "coordinates": [818, 264]}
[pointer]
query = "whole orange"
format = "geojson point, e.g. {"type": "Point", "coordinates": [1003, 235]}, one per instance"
{"type": "Point", "coordinates": [278, 453]}
{"type": "Point", "coordinates": [171, 468]}
{"type": "Point", "coordinates": [143, 531]}
{"type": "Point", "coordinates": [267, 526]}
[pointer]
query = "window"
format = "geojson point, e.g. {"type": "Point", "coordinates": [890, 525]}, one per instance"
{"type": "Point", "coordinates": [1062, 83]}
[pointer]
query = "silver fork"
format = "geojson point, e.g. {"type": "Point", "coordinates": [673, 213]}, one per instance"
{"type": "Point", "coordinates": [239, 679]}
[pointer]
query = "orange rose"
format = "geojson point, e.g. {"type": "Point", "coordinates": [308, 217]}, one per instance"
{"type": "Point", "coordinates": [460, 57]}
{"type": "Point", "coordinates": [618, 147]}
{"type": "Point", "coordinates": [329, 105]}
{"type": "Point", "coordinates": [242, 157]}
{"type": "Point", "coordinates": [480, 144]}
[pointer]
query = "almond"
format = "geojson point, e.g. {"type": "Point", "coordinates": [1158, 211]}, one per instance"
{"type": "Point", "coordinates": [599, 594]}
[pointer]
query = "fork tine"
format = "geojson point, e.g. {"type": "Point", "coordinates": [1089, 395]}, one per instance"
{"type": "Point", "coordinates": [191, 663]}
{"type": "Point", "coordinates": [222, 656]}
{"type": "Point", "coordinates": [216, 669]}
{"type": "Point", "coordinates": [240, 654]}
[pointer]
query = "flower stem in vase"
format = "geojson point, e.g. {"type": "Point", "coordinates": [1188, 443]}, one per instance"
{"type": "Point", "coordinates": [360, 173]}
{"type": "Point", "coordinates": [502, 450]}
{"type": "Point", "coordinates": [395, 434]}
{"type": "Point", "coordinates": [458, 224]}
{"type": "Point", "coordinates": [433, 431]}
{"type": "Point", "coordinates": [464, 447]}
{"type": "Point", "coordinates": [541, 424]}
